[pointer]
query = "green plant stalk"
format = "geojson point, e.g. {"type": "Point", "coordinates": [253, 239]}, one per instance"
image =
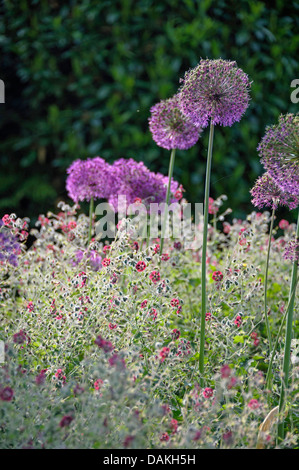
{"type": "Point", "coordinates": [170, 173]}
{"type": "Point", "coordinates": [204, 255]}
{"type": "Point", "coordinates": [91, 209]}
{"type": "Point", "coordinates": [287, 345]}
{"type": "Point", "coordinates": [266, 281]}
{"type": "Point", "coordinates": [268, 375]}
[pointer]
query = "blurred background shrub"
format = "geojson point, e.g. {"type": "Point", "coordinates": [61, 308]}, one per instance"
{"type": "Point", "coordinates": [80, 78]}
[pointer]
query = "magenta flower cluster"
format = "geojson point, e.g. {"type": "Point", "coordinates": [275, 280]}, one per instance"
{"type": "Point", "coordinates": [279, 153]}
{"type": "Point", "coordinates": [215, 91]}
{"type": "Point", "coordinates": [170, 128]}
{"type": "Point", "coordinates": [136, 182]}
{"type": "Point", "coordinates": [88, 179]}
{"type": "Point", "coordinates": [95, 178]}
{"type": "Point", "coordinates": [266, 193]}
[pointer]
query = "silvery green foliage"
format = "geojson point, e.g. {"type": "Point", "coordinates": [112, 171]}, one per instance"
{"type": "Point", "coordinates": [105, 355]}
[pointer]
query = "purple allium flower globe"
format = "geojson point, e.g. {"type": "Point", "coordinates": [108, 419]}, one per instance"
{"type": "Point", "coordinates": [266, 193]}
{"type": "Point", "coordinates": [279, 152]}
{"type": "Point", "coordinates": [215, 90]}
{"type": "Point", "coordinates": [134, 180]}
{"type": "Point", "coordinates": [88, 179]}
{"type": "Point", "coordinates": [170, 128]}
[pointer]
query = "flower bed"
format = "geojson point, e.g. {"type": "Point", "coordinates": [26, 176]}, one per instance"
{"type": "Point", "coordinates": [144, 341]}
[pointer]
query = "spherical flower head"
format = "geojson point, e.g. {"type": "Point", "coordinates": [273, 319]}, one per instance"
{"type": "Point", "coordinates": [266, 193]}
{"type": "Point", "coordinates": [133, 180]}
{"type": "Point", "coordinates": [216, 91]}
{"type": "Point", "coordinates": [88, 179]}
{"type": "Point", "coordinates": [279, 152]}
{"type": "Point", "coordinates": [170, 128]}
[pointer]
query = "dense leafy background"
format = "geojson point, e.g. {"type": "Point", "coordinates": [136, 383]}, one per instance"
{"type": "Point", "coordinates": [81, 77]}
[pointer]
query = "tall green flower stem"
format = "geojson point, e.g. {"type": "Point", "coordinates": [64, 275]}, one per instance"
{"type": "Point", "coordinates": [274, 349]}
{"type": "Point", "coordinates": [91, 210]}
{"type": "Point", "coordinates": [287, 344]}
{"type": "Point", "coordinates": [170, 173]}
{"type": "Point", "coordinates": [204, 255]}
{"type": "Point", "coordinates": [266, 280]}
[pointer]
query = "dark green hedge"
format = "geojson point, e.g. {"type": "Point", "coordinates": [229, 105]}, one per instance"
{"type": "Point", "coordinates": [80, 79]}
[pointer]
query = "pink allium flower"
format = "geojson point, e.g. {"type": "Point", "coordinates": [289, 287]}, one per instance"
{"type": "Point", "coordinates": [266, 193]}
{"type": "Point", "coordinates": [132, 179]}
{"type": "Point", "coordinates": [279, 153]}
{"type": "Point", "coordinates": [170, 128]}
{"type": "Point", "coordinates": [88, 179]}
{"type": "Point", "coordinates": [216, 91]}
